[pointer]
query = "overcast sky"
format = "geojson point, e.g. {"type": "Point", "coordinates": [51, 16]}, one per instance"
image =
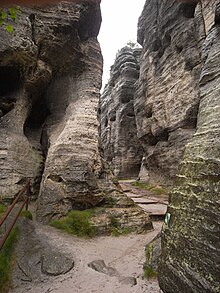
{"type": "Point", "coordinates": [119, 25]}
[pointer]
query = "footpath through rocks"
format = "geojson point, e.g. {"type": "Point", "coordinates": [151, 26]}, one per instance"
{"type": "Point", "coordinates": [64, 263]}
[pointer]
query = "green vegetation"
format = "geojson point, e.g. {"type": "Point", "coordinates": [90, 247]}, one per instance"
{"type": "Point", "coordinates": [3, 209]}
{"type": "Point", "coordinates": [26, 214]}
{"type": "Point", "coordinates": [149, 271]}
{"type": "Point", "coordinates": [155, 189]}
{"type": "Point", "coordinates": [6, 259]}
{"type": "Point", "coordinates": [7, 16]}
{"type": "Point", "coordinates": [116, 229]}
{"type": "Point", "coordinates": [77, 223]}
{"type": "Point", "coordinates": [110, 201]}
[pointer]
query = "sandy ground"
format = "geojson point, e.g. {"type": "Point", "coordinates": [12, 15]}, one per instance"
{"type": "Point", "coordinates": [124, 253]}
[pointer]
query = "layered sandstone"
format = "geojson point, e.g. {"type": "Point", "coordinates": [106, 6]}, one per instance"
{"type": "Point", "coordinates": [50, 80]}
{"type": "Point", "coordinates": [118, 131]}
{"type": "Point", "coordinates": [191, 240]}
{"type": "Point", "coordinates": [166, 100]}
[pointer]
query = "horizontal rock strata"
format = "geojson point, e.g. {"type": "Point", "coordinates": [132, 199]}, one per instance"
{"type": "Point", "coordinates": [191, 239]}
{"type": "Point", "coordinates": [166, 100]}
{"type": "Point", "coordinates": [119, 140]}
{"type": "Point", "coordinates": [50, 80]}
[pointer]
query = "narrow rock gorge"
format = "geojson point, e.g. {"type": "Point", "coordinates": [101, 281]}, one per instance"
{"type": "Point", "coordinates": [121, 146]}
{"type": "Point", "coordinates": [176, 105]}
{"type": "Point", "coordinates": [159, 111]}
{"type": "Point", "coordinates": [50, 76]}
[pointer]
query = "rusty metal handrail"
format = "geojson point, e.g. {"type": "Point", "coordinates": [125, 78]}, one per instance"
{"type": "Point", "coordinates": [26, 189]}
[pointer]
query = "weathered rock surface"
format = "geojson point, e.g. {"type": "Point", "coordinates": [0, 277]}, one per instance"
{"type": "Point", "coordinates": [101, 267]}
{"type": "Point", "coordinates": [37, 259]}
{"type": "Point", "coordinates": [119, 140]}
{"type": "Point", "coordinates": [166, 100]}
{"type": "Point", "coordinates": [50, 80]}
{"type": "Point", "coordinates": [190, 260]}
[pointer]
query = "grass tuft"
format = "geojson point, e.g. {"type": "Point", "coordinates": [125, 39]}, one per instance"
{"type": "Point", "coordinates": [6, 257]}
{"type": "Point", "coordinates": [155, 189]}
{"type": "Point", "coordinates": [149, 272]}
{"type": "Point", "coordinates": [77, 223]}
{"type": "Point", "coordinates": [26, 214]}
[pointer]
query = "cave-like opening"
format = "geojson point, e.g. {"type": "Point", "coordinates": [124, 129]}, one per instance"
{"type": "Point", "coordinates": [10, 83]}
{"type": "Point", "coordinates": [36, 133]}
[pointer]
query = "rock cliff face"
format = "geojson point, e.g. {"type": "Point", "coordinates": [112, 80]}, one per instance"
{"type": "Point", "coordinates": [167, 98]}
{"type": "Point", "coordinates": [191, 240]}
{"type": "Point", "coordinates": [50, 71]}
{"type": "Point", "coordinates": [119, 140]}
{"type": "Point", "coordinates": [50, 78]}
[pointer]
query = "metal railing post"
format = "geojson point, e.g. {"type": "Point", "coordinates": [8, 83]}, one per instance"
{"type": "Point", "coordinates": [26, 189]}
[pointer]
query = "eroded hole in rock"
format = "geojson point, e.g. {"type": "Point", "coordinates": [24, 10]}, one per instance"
{"type": "Point", "coordinates": [156, 45]}
{"type": "Point", "coordinates": [36, 133]}
{"type": "Point", "coordinates": [55, 178]}
{"type": "Point", "coordinates": [217, 14]}
{"type": "Point", "coordinates": [130, 115]}
{"type": "Point", "coordinates": [163, 135]}
{"type": "Point", "coordinates": [188, 9]}
{"type": "Point", "coordinates": [10, 83]}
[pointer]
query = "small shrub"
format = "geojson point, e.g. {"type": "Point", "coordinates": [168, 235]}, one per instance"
{"type": "Point", "coordinates": [26, 214]}
{"type": "Point", "coordinates": [77, 223]}
{"type": "Point", "coordinates": [6, 257]}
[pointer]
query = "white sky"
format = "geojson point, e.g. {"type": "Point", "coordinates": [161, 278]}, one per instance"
{"type": "Point", "coordinates": [119, 25]}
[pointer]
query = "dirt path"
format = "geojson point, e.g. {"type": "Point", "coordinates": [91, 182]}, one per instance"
{"type": "Point", "coordinates": [125, 254]}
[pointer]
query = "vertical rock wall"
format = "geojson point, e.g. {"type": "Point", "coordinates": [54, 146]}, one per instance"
{"type": "Point", "coordinates": [54, 61]}
{"type": "Point", "coordinates": [119, 140]}
{"type": "Point", "coordinates": [50, 80]}
{"type": "Point", "coordinates": [167, 97]}
{"type": "Point", "coordinates": [190, 259]}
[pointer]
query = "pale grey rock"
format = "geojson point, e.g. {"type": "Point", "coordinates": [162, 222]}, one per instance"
{"type": "Point", "coordinates": [118, 132]}
{"type": "Point", "coordinates": [50, 76]}
{"type": "Point", "coordinates": [190, 260]}
{"type": "Point", "coordinates": [101, 267]}
{"type": "Point", "coordinates": [167, 96]}
{"type": "Point", "coordinates": [36, 259]}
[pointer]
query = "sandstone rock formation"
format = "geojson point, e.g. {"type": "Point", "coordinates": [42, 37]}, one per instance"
{"type": "Point", "coordinates": [166, 100]}
{"type": "Point", "coordinates": [191, 240]}
{"type": "Point", "coordinates": [50, 72]}
{"type": "Point", "coordinates": [119, 140]}
{"type": "Point", "coordinates": [50, 80]}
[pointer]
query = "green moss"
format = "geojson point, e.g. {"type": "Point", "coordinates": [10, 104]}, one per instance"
{"type": "Point", "coordinates": [159, 190]}
{"type": "Point", "coordinates": [142, 185]}
{"type": "Point", "coordinates": [114, 221]}
{"type": "Point", "coordinates": [149, 272]}
{"type": "Point", "coordinates": [26, 214]}
{"type": "Point", "coordinates": [118, 231]}
{"type": "Point", "coordinates": [6, 257]}
{"type": "Point", "coordinates": [154, 189]}
{"type": "Point", "coordinates": [77, 223]}
{"type": "Point", "coordinates": [110, 201]}
{"type": "Point", "coordinates": [3, 209]}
